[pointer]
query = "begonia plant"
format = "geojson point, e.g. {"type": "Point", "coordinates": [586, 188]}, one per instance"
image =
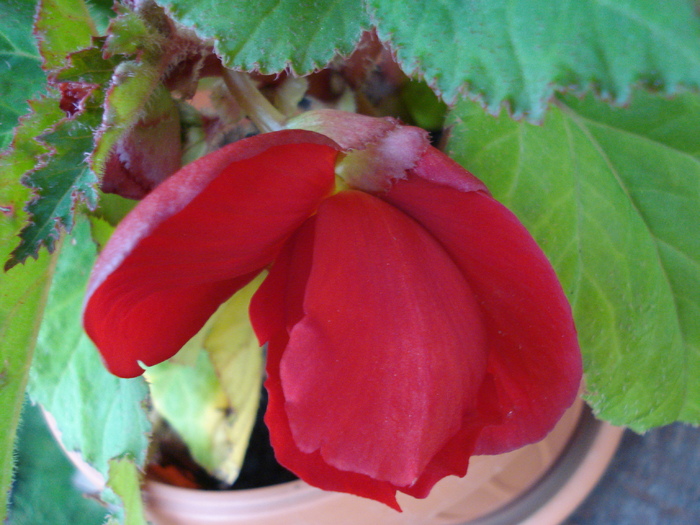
{"type": "Point", "coordinates": [424, 252]}
{"type": "Point", "coordinates": [408, 299]}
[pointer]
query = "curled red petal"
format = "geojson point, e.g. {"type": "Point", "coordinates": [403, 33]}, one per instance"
{"type": "Point", "coordinates": [534, 358]}
{"type": "Point", "coordinates": [385, 352]}
{"type": "Point", "coordinates": [196, 239]}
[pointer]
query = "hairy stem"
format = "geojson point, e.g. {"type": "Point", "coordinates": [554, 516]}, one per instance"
{"type": "Point", "coordinates": [254, 104]}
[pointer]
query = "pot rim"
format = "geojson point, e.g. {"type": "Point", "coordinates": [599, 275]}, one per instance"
{"type": "Point", "coordinates": [569, 481]}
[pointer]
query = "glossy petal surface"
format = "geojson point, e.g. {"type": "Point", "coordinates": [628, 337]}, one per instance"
{"type": "Point", "coordinates": [383, 340]}
{"type": "Point", "coordinates": [196, 239]}
{"type": "Point", "coordinates": [534, 359]}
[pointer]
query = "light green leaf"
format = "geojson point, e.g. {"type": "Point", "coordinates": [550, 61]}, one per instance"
{"type": "Point", "coordinates": [613, 197]}
{"type": "Point", "coordinates": [272, 35]}
{"type": "Point", "coordinates": [62, 27]}
{"type": "Point", "coordinates": [197, 413]}
{"type": "Point", "coordinates": [518, 53]}
{"type": "Point", "coordinates": [223, 369]}
{"type": "Point", "coordinates": [239, 363]}
{"type": "Point", "coordinates": [125, 481]}
{"type": "Point", "coordinates": [20, 65]}
{"type": "Point", "coordinates": [97, 413]}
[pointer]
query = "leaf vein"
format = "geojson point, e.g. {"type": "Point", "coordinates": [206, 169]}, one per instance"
{"type": "Point", "coordinates": [574, 117]}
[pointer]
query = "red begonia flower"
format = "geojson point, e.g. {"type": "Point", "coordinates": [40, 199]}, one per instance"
{"type": "Point", "coordinates": [411, 320]}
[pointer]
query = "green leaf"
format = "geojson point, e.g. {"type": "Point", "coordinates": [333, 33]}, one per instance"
{"type": "Point", "coordinates": [107, 93]}
{"type": "Point", "coordinates": [63, 178]}
{"type": "Point", "coordinates": [518, 53]}
{"type": "Point", "coordinates": [62, 27]}
{"type": "Point", "coordinates": [20, 65]}
{"type": "Point", "coordinates": [128, 34]}
{"type": "Point", "coordinates": [613, 197]}
{"type": "Point", "coordinates": [125, 481]}
{"type": "Point", "coordinates": [97, 413]}
{"type": "Point", "coordinates": [114, 208]}
{"type": "Point", "coordinates": [89, 66]}
{"type": "Point", "coordinates": [133, 92]}
{"type": "Point", "coordinates": [427, 111]}
{"type": "Point", "coordinates": [22, 291]}
{"type": "Point", "coordinates": [223, 368]}
{"type": "Point", "coordinates": [101, 12]}
{"type": "Point", "coordinates": [22, 299]}
{"type": "Point", "coordinates": [25, 154]}
{"type": "Point", "coordinates": [134, 97]}
{"type": "Point", "coordinates": [272, 35]}
{"type": "Point", "coordinates": [63, 182]}
{"type": "Point", "coordinates": [44, 490]}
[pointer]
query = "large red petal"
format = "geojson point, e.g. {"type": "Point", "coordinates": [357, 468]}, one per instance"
{"type": "Point", "coordinates": [278, 298]}
{"type": "Point", "coordinates": [534, 358]}
{"type": "Point", "coordinates": [199, 237]}
{"type": "Point", "coordinates": [387, 356]}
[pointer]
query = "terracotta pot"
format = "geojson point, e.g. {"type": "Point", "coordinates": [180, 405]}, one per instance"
{"type": "Point", "coordinates": [537, 485]}
{"type": "Point", "coordinates": [540, 484]}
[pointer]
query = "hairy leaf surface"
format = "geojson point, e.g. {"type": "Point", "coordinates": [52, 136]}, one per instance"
{"type": "Point", "coordinates": [612, 197]}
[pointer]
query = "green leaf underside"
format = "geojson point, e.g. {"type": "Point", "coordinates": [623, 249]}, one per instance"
{"type": "Point", "coordinates": [97, 413]}
{"type": "Point", "coordinates": [20, 65]}
{"type": "Point", "coordinates": [273, 35]}
{"type": "Point", "coordinates": [517, 53]}
{"type": "Point", "coordinates": [612, 197]}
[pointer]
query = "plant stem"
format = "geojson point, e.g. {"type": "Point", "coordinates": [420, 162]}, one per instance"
{"type": "Point", "coordinates": [254, 104]}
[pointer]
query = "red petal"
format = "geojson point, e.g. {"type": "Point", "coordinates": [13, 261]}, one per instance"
{"type": "Point", "coordinates": [534, 357]}
{"type": "Point", "coordinates": [269, 309]}
{"type": "Point", "coordinates": [196, 239]}
{"type": "Point", "coordinates": [387, 356]}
